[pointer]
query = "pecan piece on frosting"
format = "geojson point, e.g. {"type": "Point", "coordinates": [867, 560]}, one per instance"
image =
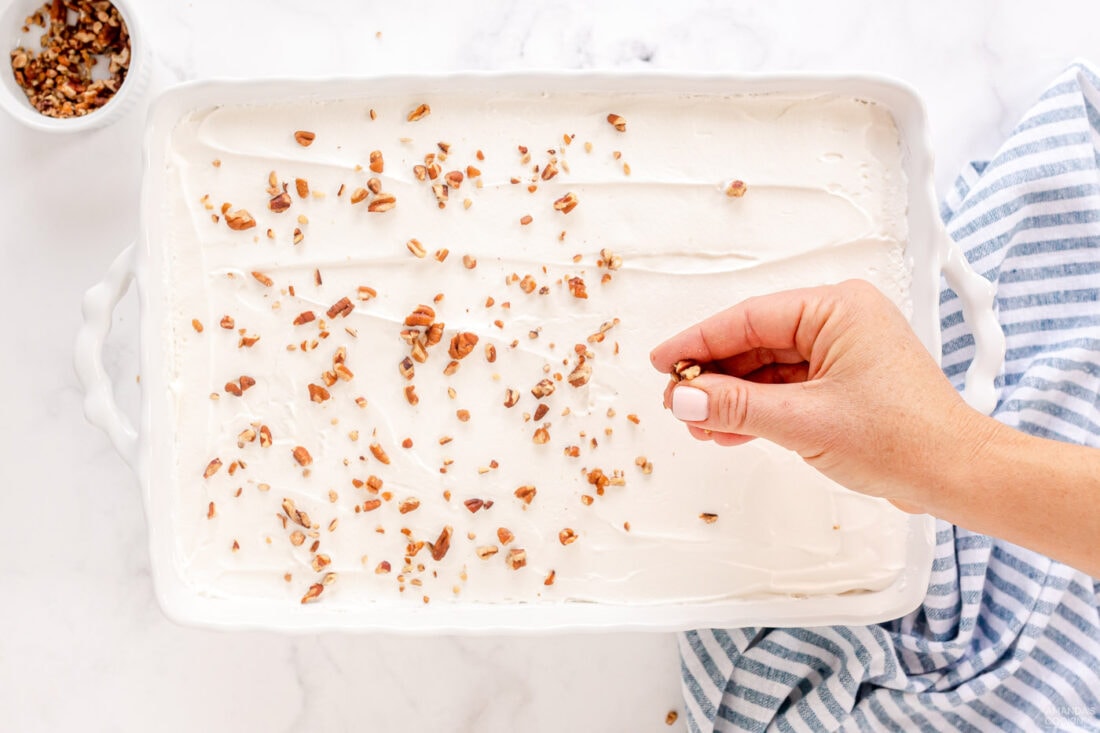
{"type": "Point", "coordinates": [736, 189]}
{"type": "Point", "coordinates": [517, 558]}
{"type": "Point", "coordinates": [239, 220]}
{"type": "Point", "coordinates": [462, 344]}
{"type": "Point", "coordinates": [441, 545]}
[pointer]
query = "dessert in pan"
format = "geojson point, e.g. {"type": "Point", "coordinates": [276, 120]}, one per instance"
{"type": "Point", "coordinates": [408, 344]}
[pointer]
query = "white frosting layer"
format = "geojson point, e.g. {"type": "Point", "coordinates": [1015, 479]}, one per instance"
{"type": "Point", "coordinates": [825, 202]}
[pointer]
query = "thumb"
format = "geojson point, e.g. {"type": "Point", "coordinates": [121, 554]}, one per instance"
{"type": "Point", "coordinates": [726, 404]}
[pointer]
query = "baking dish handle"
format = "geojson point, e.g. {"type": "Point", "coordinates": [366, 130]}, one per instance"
{"type": "Point", "coordinates": [99, 401]}
{"type": "Point", "coordinates": [977, 297]}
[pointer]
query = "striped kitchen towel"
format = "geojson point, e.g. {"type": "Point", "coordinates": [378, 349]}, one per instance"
{"type": "Point", "coordinates": [1006, 639]}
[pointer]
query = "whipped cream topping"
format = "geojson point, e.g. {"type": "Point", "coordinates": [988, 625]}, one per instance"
{"type": "Point", "coordinates": [825, 201]}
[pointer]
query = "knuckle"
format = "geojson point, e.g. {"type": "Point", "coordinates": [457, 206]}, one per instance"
{"type": "Point", "coordinates": [732, 408]}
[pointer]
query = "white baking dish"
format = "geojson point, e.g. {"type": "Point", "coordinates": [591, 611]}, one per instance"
{"type": "Point", "coordinates": [149, 449]}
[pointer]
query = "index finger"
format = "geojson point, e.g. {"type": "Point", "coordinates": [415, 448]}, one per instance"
{"type": "Point", "coordinates": [788, 320]}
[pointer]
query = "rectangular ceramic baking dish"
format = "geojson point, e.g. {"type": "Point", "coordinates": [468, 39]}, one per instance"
{"type": "Point", "coordinates": [147, 448]}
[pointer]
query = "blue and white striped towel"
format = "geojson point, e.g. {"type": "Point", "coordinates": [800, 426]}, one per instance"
{"type": "Point", "coordinates": [1006, 639]}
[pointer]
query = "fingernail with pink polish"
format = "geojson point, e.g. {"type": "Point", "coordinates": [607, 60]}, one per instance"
{"type": "Point", "coordinates": [689, 404]}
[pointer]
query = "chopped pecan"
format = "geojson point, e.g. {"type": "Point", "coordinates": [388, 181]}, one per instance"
{"type": "Point", "coordinates": [248, 435]}
{"type": "Point", "coordinates": [486, 551]}
{"type": "Point", "coordinates": [544, 388]}
{"type": "Point", "coordinates": [453, 179]}
{"type": "Point", "coordinates": [736, 189]}
{"type": "Point", "coordinates": [422, 315]}
{"type": "Point", "coordinates": [441, 192]}
{"type": "Point", "coordinates": [567, 536]}
{"type": "Point", "coordinates": [420, 112]}
{"type": "Point", "coordinates": [610, 260]}
{"type": "Point", "coordinates": [434, 334]}
{"type": "Point", "coordinates": [317, 393]}
{"type": "Point", "coordinates": [581, 373]}
{"type": "Point", "coordinates": [382, 202]}
{"type": "Point", "coordinates": [566, 203]}
{"type": "Point", "coordinates": [462, 344]}
{"type": "Point", "coordinates": [239, 220]}
{"type": "Point", "coordinates": [686, 370]}
{"type": "Point", "coordinates": [441, 545]}
{"type": "Point", "coordinates": [409, 505]}
{"type": "Point", "coordinates": [302, 455]}
{"type": "Point", "coordinates": [517, 558]}
{"type": "Point", "coordinates": [296, 515]}
{"type": "Point", "coordinates": [304, 138]}
{"type": "Point", "coordinates": [526, 493]}
{"type": "Point", "coordinates": [378, 452]}
{"type": "Point", "coordinates": [212, 468]}
{"type": "Point", "coordinates": [304, 317]}
{"type": "Point", "coordinates": [316, 589]}
{"type": "Point", "coordinates": [576, 287]}
{"type": "Point", "coordinates": [342, 307]}
{"type": "Point", "coordinates": [280, 202]}
{"type": "Point", "coordinates": [617, 121]}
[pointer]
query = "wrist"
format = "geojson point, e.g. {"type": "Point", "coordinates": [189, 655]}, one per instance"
{"type": "Point", "coordinates": [969, 443]}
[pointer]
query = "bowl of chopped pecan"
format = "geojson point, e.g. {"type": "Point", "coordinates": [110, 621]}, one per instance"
{"type": "Point", "coordinates": [72, 64]}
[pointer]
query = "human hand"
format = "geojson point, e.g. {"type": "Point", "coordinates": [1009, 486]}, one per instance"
{"type": "Point", "coordinates": [834, 373]}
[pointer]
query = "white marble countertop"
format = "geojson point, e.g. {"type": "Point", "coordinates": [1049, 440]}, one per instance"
{"type": "Point", "coordinates": [85, 646]}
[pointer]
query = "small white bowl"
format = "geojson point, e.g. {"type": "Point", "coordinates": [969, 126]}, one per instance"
{"type": "Point", "coordinates": [14, 100]}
